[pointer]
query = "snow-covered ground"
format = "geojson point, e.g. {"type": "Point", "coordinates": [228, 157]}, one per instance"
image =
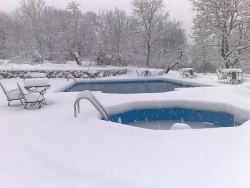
{"type": "Point", "coordinates": [50, 148]}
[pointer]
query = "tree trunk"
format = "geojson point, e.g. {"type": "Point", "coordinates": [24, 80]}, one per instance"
{"type": "Point", "coordinates": [148, 55]}
{"type": "Point", "coordinates": [205, 67]}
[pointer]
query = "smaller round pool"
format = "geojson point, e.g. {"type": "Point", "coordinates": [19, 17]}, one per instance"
{"type": "Point", "coordinates": [163, 119]}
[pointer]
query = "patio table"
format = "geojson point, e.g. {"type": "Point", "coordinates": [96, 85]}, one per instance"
{"type": "Point", "coordinates": [39, 85]}
{"type": "Point", "coordinates": [186, 71]}
{"type": "Point", "coordinates": [238, 72]}
{"type": "Point", "coordinates": [146, 73]}
{"type": "Point", "coordinates": [231, 70]}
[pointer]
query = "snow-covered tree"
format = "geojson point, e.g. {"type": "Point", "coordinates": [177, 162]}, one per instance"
{"type": "Point", "coordinates": [150, 17]}
{"type": "Point", "coordinates": [114, 35]}
{"type": "Point", "coordinates": [38, 32]}
{"type": "Point", "coordinates": [203, 52]}
{"type": "Point", "coordinates": [170, 51]}
{"type": "Point", "coordinates": [31, 15]}
{"type": "Point", "coordinates": [226, 24]}
{"type": "Point", "coordinates": [51, 35]}
{"type": "Point", "coordinates": [3, 35]}
{"type": "Point", "coordinates": [118, 33]}
{"type": "Point", "coordinates": [75, 16]}
{"type": "Point", "coordinates": [89, 36]}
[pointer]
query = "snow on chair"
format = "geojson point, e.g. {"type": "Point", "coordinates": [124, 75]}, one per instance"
{"type": "Point", "coordinates": [12, 94]}
{"type": "Point", "coordinates": [30, 98]}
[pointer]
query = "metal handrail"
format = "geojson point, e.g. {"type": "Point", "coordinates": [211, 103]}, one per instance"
{"type": "Point", "coordinates": [88, 95]}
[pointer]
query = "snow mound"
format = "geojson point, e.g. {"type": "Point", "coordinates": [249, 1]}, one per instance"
{"type": "Point", "coordinates": [242, 90]}
{"type": "Point", "coordinates": [177, 126]}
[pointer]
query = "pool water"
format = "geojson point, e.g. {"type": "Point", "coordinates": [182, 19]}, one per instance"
{"type": "Point", "coordinates": [166, 125]}
{"type": "Point", "coordinates": [164, 118]}
{"type": "Point", "coordinates": [127, 87]}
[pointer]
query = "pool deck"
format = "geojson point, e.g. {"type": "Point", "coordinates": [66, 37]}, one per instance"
{"type": "Point", "coordinates": [49, 147]}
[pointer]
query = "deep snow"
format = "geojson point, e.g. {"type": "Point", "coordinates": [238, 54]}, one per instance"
{"type": "Point", "coordinates": [49, 147]}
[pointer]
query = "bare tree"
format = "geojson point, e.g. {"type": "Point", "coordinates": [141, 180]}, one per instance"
{"type": "Point", "coordinates": [102, 31]}
{"type": "Point", "coordinates": [173, 47]}
{"type": "Point", "coordinates": [36, 32]}
{"type": "Point", "coordinates": [89, 36]}
{"type": "Point", "coordinates": [75, 15]}
{"type": "Point", "coordinates": [203, 51]}
{"type": "Point", "coordinates": [149, 15]}
{"type": "Point", "coordinates": [51, 33]}
{"type": "Point", "coordinates": [118, 32]}
{"type": "Point", "coordinates": [32, 11]}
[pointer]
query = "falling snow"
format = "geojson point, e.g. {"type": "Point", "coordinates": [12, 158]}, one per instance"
{"type": "Point", "coordinates": [49, 147]}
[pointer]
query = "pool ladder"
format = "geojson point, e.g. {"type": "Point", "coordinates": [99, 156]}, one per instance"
{"type": "Point", "coordinates": [88, 95]}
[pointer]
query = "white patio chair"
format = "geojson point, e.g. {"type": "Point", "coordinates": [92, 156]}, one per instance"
{"type": "Point", "coordinates": [84, 76]}
{"type": "Point", "coordinates": [100, 75]}
{"type": "Point", "coordinates": [184, 73]}
{"type": "Point", "coordinates": [181, 73]}
{"type": "Point", "coordinates": [192, 74]}
{"type": "Point", "coordinates": [138, 74]}
{"type": "Point", "coordinates": [31, 98]}
{"type": "Point", "coordinates": [154, 73]}
{"type": "Point", "coordinates": [12, 95]}
{"type": "Point", "coordinates": [240, 75]}
{"type": "Point", "coordinates": [221, 77]}
{"type": "Point", "coordinates": [147, 73]}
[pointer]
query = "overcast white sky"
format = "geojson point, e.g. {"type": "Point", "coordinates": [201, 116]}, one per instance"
{"type": "Point", "coordinates": [179, 9]}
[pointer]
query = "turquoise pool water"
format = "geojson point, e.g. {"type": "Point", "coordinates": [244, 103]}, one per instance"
{"type": "Point", "coordinates": [127, 87]}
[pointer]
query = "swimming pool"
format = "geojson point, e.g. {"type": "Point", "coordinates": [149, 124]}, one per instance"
{"type": "Point", "coordinates": [127, 87]}
{"type": "Point", "coordinates": [163, 119]}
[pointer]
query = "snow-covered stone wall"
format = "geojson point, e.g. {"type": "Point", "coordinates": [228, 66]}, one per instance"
{"type": "Point", "coordinates": [6, 74]}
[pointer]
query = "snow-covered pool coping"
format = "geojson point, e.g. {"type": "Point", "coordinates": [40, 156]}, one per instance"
{"type": "Point", "coordinates": [205, 99]}
{"type": "Point", "coordinates": [183, 82]}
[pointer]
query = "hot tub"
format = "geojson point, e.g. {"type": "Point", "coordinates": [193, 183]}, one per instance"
{"type": "Point", "coordinates": [164, 118]}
